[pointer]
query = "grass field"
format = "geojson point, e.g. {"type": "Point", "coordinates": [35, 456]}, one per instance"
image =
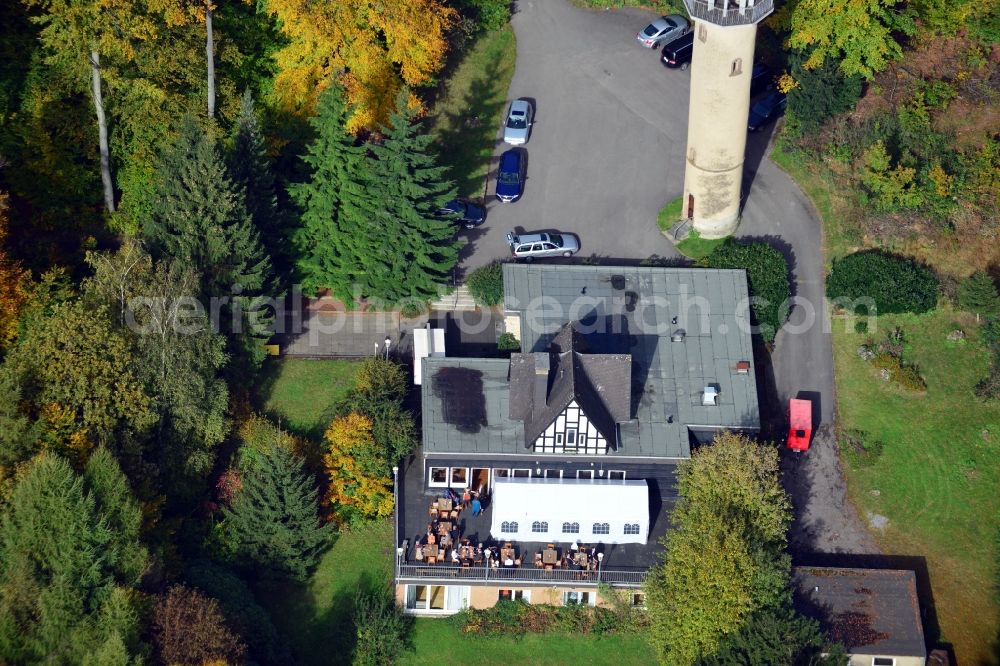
{"type": "Point", "coordinates": [468, 115]}
{"type": "Point", "coordinates": [301, 392]}
{"type": "Point", "coordinates": [669, 214]}
{"type": "Point", "coordinates": [696, 247]}
{"type": "Point", "coordinates": [937, 480]}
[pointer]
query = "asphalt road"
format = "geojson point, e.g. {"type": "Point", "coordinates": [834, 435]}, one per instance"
{"type": "Point", "coordinates": [607, 152]}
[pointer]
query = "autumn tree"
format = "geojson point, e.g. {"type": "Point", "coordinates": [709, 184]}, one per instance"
{"type": "Point", "coordinates": [273, 520]}
{"type": "Point", "coordinates": [86, 35]}
{"type": "Point", "coordinates": [411, 186]}
{"type": "Point", "coordinates": [335, 233]}
{"type": "Point", "coordinates": [13, 285]}
{"type": "Point", "coordinates": [69, 558]}
{"type": "Point", "coordinates": [79, 376]}
{"type": "Point", "coordinates": [380, 387]}
{"type": "Point", "coordinates": [726, 557]}
{"type": "Point", "coordinates": [861, 35]}
{"type": "Point", "coordinates": [190, 629]}
{"type": "Point", "coordinates": [359, 489]}
{"type": "Point", "coordinates": [371, 49]}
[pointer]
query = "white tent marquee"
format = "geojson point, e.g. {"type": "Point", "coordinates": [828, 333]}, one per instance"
{"type": "Point", "coordinates": [599, 510]}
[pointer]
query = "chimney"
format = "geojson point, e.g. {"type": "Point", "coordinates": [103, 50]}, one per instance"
{"type": "Point", "coordinates": [541, 387]}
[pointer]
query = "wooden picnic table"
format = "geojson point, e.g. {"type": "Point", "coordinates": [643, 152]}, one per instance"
{"type": "Point", "coordinates": [445, 504]}
{"type": "Point", "coordinates": [550, 556]}
{"type": "Point", "coordinates": [430, 550]}
{"type": "Point", "coordinates": [444, 527]}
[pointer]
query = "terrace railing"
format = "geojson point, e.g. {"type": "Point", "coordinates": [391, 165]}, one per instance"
{"type": "Point", "coordinates": [480, 575]}
{"type": "Point", "coordinates": [729, 12]}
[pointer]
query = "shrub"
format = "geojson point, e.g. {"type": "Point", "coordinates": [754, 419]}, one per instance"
{"type": "Point", "coordinates": [861, 326]}
{"type": "Point", "coordinates": [894, 284]}
{"type": "Point", "coordinates": [507, 342]}
{"type": "Point", "coordinates": [381, 629]}
{"type": "Point", "coordinates": [513, 617]}
{"type": "Point", "coordinates": [767, 275]}
{"type": "Point", "coordinates": [491, 14]}
{"type": "Point", "coordinates": [978, 294]}
{"type": "Point", "coordinates": [905, 375]}
{"type": "Point", "coordinates": [860, 449]}
{"type": "Point", "coordinates": [189, 629]}
{"type": "Point", "coordinates": [486, 284]}
{"type": "Point", "coordinates": [821, 93]}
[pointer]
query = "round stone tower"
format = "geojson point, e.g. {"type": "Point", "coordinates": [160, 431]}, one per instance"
{"type": "Point", "coordinates": [721, 63]}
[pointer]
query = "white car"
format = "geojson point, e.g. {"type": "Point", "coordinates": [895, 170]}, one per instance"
{"type": "Point", "coordinates": [529, 246]}
{"type": "Point", "coordinates": [518, 125]}
{"type": "Point", "coordinates": [662, 30]}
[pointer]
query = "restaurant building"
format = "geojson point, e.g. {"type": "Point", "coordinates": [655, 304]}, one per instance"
{"type": "Point", "coordinates": [571, 445]}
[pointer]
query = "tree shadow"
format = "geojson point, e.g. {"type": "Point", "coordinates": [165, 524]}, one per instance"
{"type": "Point", "coordinates": [469, 136]}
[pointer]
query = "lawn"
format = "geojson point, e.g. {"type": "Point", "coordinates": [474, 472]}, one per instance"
{"type": "Point", "coordinates": [468, 115]}
{"type": "Point", "coordinates": [669, 214]}
{"type": "Point", "coordinates": [696, 247]}
{"type": "Point", "coordinates": [301, 392]}
{"type": "Point", "coordinates": [434, 637]}
{"type": "Point", "coordinates": [937, 480]}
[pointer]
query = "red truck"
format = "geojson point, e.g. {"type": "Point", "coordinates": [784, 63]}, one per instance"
{"type": "Point", "coordinates": [799, 424]}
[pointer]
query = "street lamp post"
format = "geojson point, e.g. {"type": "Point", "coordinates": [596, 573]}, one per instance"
{"type": "Point", "coordinates": [600, 562]}
{"type": "Point", "coordinates": [395, 516]}
{"type": "Point", "coordinates": [388, 343]}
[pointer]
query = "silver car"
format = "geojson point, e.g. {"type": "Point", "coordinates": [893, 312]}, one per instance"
{"type": "Point", "coordinates": [529, 246]}
{"type": "Point", "coordinates": [518, 125]}
{"type": "Point", "coordinates": [663, 30]}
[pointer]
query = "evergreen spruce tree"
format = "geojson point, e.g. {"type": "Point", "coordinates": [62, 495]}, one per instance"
{"type": "Point", "coordinates": [411, 185]}
{"type": "Point", "coordinates": [250, 169]}
{"type": "Point", "coordinates": [978, 294]}
{"type": "Point", "coordinates": [273, 519]}
{"type": "Point", "coordinates": [67, 560]}
{"type": "Point", "coordinates": [336, 232]}
{"type": "Point", "coordinates": [199, 218]}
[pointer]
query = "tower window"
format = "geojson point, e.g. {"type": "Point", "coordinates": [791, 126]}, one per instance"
{"type": "Point", "coordinates": [737, 67]}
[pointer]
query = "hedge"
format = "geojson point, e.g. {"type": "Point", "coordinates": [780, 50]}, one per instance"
{"type": "Point", "coordinates": [895, 284]}
{"type": "Point", "coordinates": [767, 276]}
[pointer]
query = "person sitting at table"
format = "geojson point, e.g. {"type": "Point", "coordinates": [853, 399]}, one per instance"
{"type": "Point", "coordinates": [446, 540]}
{"type": "Point", "coordinates": [454, 556]}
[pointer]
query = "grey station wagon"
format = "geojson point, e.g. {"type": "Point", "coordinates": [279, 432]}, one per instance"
{"type": "Point", "coordinates": [530, 246]}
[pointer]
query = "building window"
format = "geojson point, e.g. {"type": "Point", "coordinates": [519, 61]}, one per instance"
{"type": "Point", "coordinates": [631, 528]}
{"type": "Point", "coordinates": [522, 473]}
{"type": "Point", "coordinates": [601, 528]}
{"type": "Point", "coordinates": [883, 661]}
{"type": "Point", "coordinates": [585, 474]}
{"type": "Point", "coordinates": [638, 600]}
{"type": "Point", "coordinates": [437, 597]}
{"type": "Point", "coordinates": [737, 67]}
{"type": "Point", "coordinates": [559, 438]}
{"type": "Point", "coordinates": [439, 477]}
{"type": "Point", "coordinates": [500, 473]}
{"type": "Point", "coordinates": [515, 595]}
{"type": "Point", "coordinates": [540, 527]}
{"type": "Point", "coordinates": [616, 475]}
{"type": "Point", "coordinates": [508, 527]}
{"type": "Point", "coordinates": [459, 477]}
{"type": "Point", "coordinates": [571, 528]}
{"type": "Point", "coordinates": [571, 437]}
{"type": "Point", "coordinates": [581, 598]}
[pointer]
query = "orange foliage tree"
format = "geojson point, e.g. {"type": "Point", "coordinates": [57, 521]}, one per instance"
{"type": "Point", "coordinates": [13, 285]}
{"type": "Point", "coordinates": [373, 48]}
{"type": "Point", "coordinates": [357, 491]}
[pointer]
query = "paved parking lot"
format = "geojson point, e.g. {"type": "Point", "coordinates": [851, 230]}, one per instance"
{"type": "Point", "coordinates": [606, 151]}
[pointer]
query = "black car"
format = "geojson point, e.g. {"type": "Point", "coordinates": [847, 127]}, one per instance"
{"type": "Point", "coordinates": [766, 110]}
{"type": "Point", "coordinates": [466, 213]}
{"type": "Point", "coordinates": [678, 52]}
{"type": "Point", "coordinates": [761, 79]}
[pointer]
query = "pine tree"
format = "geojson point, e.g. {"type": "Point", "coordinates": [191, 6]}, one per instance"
{"type": "Point", "coordinates": [336, 230]}
{"type": "Point", "coordinates": [250, 169]}
{"type": "Point", "coordinates": [273, 519]}
{"type": "Point", "coordinates": [199, 217]}
{"type": "Point", "coordinates": [411, 186]}
{"type": "Point", "coordinates": [63, 574]}
{"type": "Point", "coordinates": [978, 294]}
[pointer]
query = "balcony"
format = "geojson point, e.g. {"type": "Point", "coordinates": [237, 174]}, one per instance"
{"type": "Point", "coordinates": [480, 575]}
{"type": "Point", "coordinates": [729, 12]}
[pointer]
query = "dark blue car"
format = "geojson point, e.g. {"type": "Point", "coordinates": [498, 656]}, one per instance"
{"type": "Point", "coordinates": [766, 110]}
{"type": "Point", "coordinates": [510, 177]}
{"type": "Point", "coordinates": [466, 213]}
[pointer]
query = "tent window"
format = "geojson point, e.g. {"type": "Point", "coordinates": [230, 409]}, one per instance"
{"type": "Point", "coordinates": [571, 528]}
{"type": "Point", "coordinates": [539, 527]}
{"type": "Point", "coordinates": [508, 527]}
{"type": "Point", "coordinates": [585, 474]}
{"type": "Point", "coordinates": [631, 528]}
{"type": "Point", "coordinates": [601, 528]}
{"type": "Point", "coordinates": [616, 474]}
{"type": "Point", "coordinates": [522, 473]}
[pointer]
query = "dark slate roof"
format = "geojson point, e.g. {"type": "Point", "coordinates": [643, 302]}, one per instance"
{"type": "Point", "coordinates": [871, 611]}
{"type": "Point", "coordinates": [601, 385]}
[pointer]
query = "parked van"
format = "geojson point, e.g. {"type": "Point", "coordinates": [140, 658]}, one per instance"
{"type": "Point", "coordinates": [678, 52]}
